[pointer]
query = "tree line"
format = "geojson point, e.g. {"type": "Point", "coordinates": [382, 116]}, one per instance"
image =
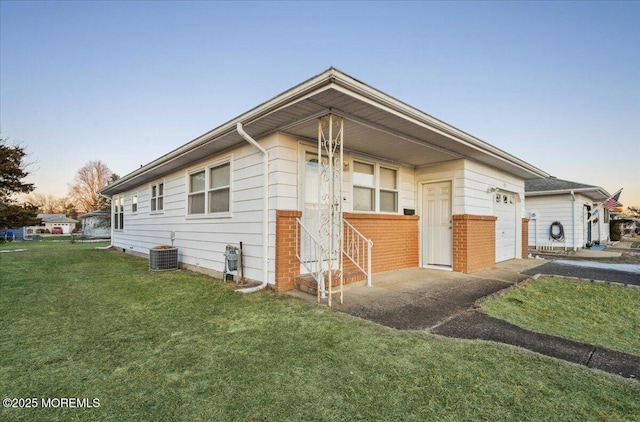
{"type": "Point", "coordinates": [83, 196]}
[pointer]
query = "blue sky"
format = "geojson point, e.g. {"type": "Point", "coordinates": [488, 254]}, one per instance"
{"type": "Point", "coordinates": [554, 83]}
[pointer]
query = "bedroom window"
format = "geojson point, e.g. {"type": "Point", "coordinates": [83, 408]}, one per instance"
{"type": "Point", "coordinates": [219, 188]}
{"type": "Point", "coordinates": [210, 190]}
{"type": "Point", "coordinates": [196, 193]}
{"type": "Point", "coordinates": [157, 197]}
{"type": "Point", "coordinates": [375, 188]}
{"type": "Point", "coordinates": [134, 203]}
{"type": "Point", "coordinates": [118, 212]}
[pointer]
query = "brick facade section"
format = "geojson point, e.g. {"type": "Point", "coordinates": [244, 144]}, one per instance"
{"type": "Point", "coordinates": [525, 238]}
{"type": "Point", "coordinates": [287, 265]}
{"type": "Point", "coordinates": [474, 242]}
{"type": "Point", "coordinates": [395, 240]}
{"type": "Point", "coordinates": [395, 243]}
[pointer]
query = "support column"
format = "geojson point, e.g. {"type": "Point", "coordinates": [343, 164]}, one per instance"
{"type": "Point", "coordinates": [330, 153]}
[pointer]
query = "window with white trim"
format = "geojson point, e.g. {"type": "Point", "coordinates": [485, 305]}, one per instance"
{"type": "Point", "coordinates": [157, 197]}
{"type": "Point", "coordinates": [375, 188]}
{"type": "Point", "coordinates": [210, 190]}
{"type": "Point", "coordinates": [118, 212]}
{"type": "Point", "coordinates": [196, 193]}
{"type": "Point", "coordinates": [134, 203]}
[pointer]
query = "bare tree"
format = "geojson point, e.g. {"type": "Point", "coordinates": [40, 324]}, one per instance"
{"type": "Point", "coordinates": [49, 204]}
{"type": "Point", "coordinates": [88, 181]}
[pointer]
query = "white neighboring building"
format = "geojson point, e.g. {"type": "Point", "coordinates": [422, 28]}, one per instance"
{"type": "Point", "coordinates": [58, 220]}
{"type": "Point", "coordinates": [97, 224]}
{"type": "Point", "coordinates": [570, 204]}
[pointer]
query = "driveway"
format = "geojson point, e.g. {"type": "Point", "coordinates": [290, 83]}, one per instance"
{"type": "Point", "coordinates": [590, 270]}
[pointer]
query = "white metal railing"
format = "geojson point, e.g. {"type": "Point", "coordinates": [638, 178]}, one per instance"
{"type": "Point", "coordinates": [308, 251]}
{"type": "Point", "coordinates": [358, 249]}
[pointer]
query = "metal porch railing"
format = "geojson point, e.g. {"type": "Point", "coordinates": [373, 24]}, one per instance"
{"type": "Point", "coordinates": [358, 249]}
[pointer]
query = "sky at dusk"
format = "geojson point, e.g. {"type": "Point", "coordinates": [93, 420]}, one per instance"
{"type": "Point", "coordinates": [556, 84]}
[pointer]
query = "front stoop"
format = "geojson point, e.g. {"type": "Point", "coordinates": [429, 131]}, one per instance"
{"type": "Point", "coordinates": [306, 283]}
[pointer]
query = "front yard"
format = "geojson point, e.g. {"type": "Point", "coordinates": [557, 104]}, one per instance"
{"type": "Point", "coordinates": [84, 323]}
{"type": "Point", "coordinates": [599, 314]}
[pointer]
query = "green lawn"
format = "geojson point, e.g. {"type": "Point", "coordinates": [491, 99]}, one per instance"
{"type": "Point", "coordinates": [599, 314]}
{"type": "Point", "coordinates": [86, 323]}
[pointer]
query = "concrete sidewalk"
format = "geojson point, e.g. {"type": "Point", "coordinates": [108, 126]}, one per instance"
{"type": "Point", "coordinates": [444, 302]}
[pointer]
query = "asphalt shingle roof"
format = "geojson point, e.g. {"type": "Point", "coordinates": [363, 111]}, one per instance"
{"type": "Point", "coordinates": [553, 184]}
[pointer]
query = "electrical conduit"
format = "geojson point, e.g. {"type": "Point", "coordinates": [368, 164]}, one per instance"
{"type": "Point", "coordinates": [265, 231]}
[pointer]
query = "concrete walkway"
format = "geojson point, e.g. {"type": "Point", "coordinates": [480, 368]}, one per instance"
{"type": "Point", "coordinates": [443, 302]}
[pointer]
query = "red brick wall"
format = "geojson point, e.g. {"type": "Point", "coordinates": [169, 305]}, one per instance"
{"type": "Point", "coordinates": [287, 265]}
{"type": "Point", "coordinates": [525, 237]}
{"type": "Point", "coordinates": [395, 243]}
{"type": "Point", "coordinates": [474, 242]}
{"type": "Point", "coordinates": [395, 239]}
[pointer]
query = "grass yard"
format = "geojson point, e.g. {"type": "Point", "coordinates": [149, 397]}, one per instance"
{"type": "Point", "coordinates": [86, 323]}
{"type": "Point", "coordinates": [599, 314]}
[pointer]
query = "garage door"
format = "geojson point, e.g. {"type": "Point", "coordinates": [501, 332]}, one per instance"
{"type": "Point", "coordinates": [504, 207]}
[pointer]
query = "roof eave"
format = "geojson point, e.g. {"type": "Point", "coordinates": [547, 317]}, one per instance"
{"type": "Point", "coordinates": [330, 77]}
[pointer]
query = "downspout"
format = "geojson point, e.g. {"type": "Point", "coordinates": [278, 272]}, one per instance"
{"type": "Point", "coordinates": [265, 229]}
{"type": "Point", "coordinates": [573, 219]}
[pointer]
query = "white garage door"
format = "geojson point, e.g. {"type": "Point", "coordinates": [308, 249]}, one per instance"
{"type": "Point", "coordinates": [504, 207]}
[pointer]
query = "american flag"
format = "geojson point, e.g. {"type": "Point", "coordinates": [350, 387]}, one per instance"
{"type": "Point", "coordinates": [611, 203]}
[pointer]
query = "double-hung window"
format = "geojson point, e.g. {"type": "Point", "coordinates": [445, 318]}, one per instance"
{"type": "Point", "coordinates": [134, 203]}
{"type": "Point", "coordinates": [375, 188]}
{"type": "Point", "coordinates": [118, 212]}
{"type": "Point", "coordinates": [157, 197]}
{"type": "Point", "coordinates": [210, 190]}
{"type": "Point", "coordinates": [196, 192]}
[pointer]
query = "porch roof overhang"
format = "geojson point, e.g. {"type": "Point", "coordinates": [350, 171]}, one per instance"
{"type": "Point", "coordinates": [376, 124]}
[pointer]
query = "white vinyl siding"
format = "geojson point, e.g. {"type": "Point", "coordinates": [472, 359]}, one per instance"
{"type": "Point", "coordinates": [201, 239]}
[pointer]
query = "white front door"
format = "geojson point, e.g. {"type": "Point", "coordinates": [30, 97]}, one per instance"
{"type": "Point", "coordinates": [436, 224]}
{"type": "Point", "coordinates": [504, 208]}
{"type": "Point", "coordinates": [310, 208]}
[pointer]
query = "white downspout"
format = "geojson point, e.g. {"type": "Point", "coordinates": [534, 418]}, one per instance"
{"type": "Point", "coordinates": [573, 219]}
{"type": "Point", "coordinates": [265, 229]}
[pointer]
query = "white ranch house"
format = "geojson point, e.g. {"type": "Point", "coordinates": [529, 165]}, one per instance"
{"type": "Point", "coordinates": [570, 204]}
{"type": "Point", "coordinates": [331, 159]}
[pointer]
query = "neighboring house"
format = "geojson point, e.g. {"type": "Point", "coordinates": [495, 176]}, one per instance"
{"type": "Point", "coordinates": [571, 205]}
{"type": "Point", "coordinates": [427, 194]}
{"type": "Point", "coordinates": [96, 224]}
{"type": "Point", "coordinates": [49, 221]}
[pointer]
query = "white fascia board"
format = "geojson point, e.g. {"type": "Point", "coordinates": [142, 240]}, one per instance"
{"type": "Point", "coordinates": [598, 191]}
